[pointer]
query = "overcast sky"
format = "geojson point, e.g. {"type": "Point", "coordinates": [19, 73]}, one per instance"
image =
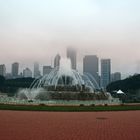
{"type": "Point", "coordinates": [36, 30]}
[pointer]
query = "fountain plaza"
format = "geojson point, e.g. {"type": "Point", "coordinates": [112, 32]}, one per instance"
{"type": "Point", "coordinates": [63, 86]}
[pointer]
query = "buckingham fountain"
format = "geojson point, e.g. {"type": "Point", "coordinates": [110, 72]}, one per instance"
{"type": "Point", "coordinates": [63, 86]}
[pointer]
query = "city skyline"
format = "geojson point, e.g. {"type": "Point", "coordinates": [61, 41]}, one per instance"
{"type": "Point", "coordinates": [32, 67]}
{"type": "Point", "coordinates": [90, 69]}
{"type": "Point", "coordinates": [91, 65]}
{"type": "Point", "coordinates": [33, 31]}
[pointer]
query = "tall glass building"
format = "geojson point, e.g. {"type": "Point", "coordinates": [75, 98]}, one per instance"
{"type": "Point", "coordinates": [105, 72]}
{"type": "Point", "coordinates": [15, 70]}
{"type": "Point", "coordinates": [36, 70]}
{"type": "Point", "coordinates": [57, 60]}
{"type": "Point", "coordinates": [71, 54]}
{"type": "Point", "coordinates": [91, 66]}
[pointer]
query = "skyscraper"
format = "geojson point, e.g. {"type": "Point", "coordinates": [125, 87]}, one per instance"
{"type": "Point", "coordinates": [71, 54]}
{"type": "Point", "coordinates": [91, 66]}
{"type": "Point", "coordinates": [3, 70]}
{"type": "Point", "coordinates": [47, 69]}
{"type": "Point", "coordinates": [15, 69]}
{"type": "Point", "coordinates": [57, 60]}
{"type": "Point", "coordinates": [27, 73]}
{"type": "Point", "coordinates": [105, 72]}
{"type": "Point", "coordinates": [36, 70]}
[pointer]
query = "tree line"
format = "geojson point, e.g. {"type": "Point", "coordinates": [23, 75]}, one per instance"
{"type": "Point", "coordinates": [126, 85]}
{"type": "Point", "coordinates": [130, 86]}
{"type": "Point", "coordinates": [11, 86]}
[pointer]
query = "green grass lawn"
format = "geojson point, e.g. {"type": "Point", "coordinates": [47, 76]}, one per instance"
{"type": "Point", "coordinates": [69, 108]}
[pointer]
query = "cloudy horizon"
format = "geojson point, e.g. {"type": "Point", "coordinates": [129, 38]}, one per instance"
{"type": "Point", "coordinates": [36, 30]}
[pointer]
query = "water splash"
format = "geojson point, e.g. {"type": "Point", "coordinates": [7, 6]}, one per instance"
{"type": "Point", "coordinates": [62, 78]}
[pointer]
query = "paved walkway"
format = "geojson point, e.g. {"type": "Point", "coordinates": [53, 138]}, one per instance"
{"type": "Point", "coordinates": [26, 125]}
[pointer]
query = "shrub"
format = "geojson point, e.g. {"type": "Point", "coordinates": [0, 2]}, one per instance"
{"type": "Point", "coordinates": [42, 104]}
{"type": "Point", "coordinates": [81, 105]}
{"type": "Point", "coordinates": [92, 105]}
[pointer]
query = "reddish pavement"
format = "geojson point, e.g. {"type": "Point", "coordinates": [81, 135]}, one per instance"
{"type": "Point", "coordinates": [24, 125]}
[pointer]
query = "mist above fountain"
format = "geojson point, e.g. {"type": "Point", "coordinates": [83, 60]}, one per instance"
{"type": "Point", "coordinates": [63, 83]}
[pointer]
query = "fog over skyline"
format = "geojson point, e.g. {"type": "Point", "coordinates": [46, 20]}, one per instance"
{"type": "Point", "coordinates": [36, 30]}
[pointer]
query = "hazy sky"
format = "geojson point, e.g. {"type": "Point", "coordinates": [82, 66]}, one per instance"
{"type": "Point", "coordinates": [35, 30]}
